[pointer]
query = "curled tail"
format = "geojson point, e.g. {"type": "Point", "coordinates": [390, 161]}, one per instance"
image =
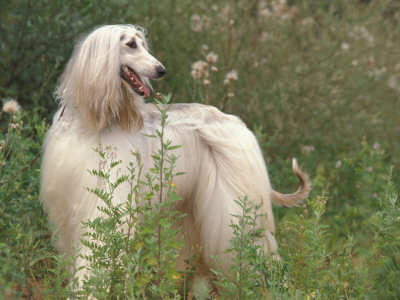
{"type": "Point", "coordinates": [299, 195]}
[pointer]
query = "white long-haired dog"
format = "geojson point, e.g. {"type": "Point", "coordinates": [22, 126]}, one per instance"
{"type": "Point", "coordinates": [101, 93]}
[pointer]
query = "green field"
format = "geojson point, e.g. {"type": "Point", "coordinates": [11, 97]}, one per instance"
{"type": "Point", "coordinates": [318, 80]}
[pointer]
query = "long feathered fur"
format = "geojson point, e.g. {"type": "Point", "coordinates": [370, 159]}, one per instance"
{"type": "Point", "coordinates": [220, 156]}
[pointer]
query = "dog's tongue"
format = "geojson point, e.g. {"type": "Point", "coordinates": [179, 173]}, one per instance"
{"type": "Point", "coordinates": [146, 91]}
{"type": "Point", "coordinates": [146, 88]}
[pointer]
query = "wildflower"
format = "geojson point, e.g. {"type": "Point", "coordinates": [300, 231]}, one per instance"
{"type": "Point", "coordinates": [226, 82]}
{"type": "Point", "coordinates": [206, 22]}
{"type": "Point", "coordinates": [11, 106]}
{"type": "Point", "coordinates": [204, 47]}
{"type": "Point", "coordinates": [214, 7]}
{"type": "Point", "coordinates": [376, 146]}
{"type": "Point", "coordinates": [392, 82]}
{"type": "Point", "coordinates": [232, 75]}
{"type": "Point", "coordinates": [371, 59]}
{"type": "Point", "coordinates": [206, 82]}
{"type": "Point", "coordinates": [231, 95]}
{"type": "Point", "coordinates": [198, 70]}
{"type": "Point", "coordinates": [113, 155]}
{"type": "Point", "coordinates": [172, 184]}
{"type": "Point", "coordinates": [378, 72]}
{"type": "Point", "coordinates": [307, 21]}
{"type": "Point", "coordinates": [212, 57]}
{"type": "Point", "coordinates": [345, 46]}
{"type": "Point", "coordinates": [214, 69]}
{"type": "Point", "coordinates": [354, 62]}
{"type": "Point", "coordinates": [369, 169]}
{"type": "Point", "coordinates": [360, 33]}
{"type": "Point", "coordinates": [308, 149]}
{"type": "Point", "coordinates": [196, 75]}
{"type": "Point", "coordinates": [266, 13]}
{"type": "Point", "coordinates": [196, 23]}
{"type": "Point", "coordinates": [338, 164]}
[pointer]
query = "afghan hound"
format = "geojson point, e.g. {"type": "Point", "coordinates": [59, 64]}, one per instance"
{"type": "Point", "coordinates": [101, 95]}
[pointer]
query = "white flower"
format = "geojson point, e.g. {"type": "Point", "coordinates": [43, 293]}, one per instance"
{"type": "Point", "coordinates": [308, 149]}
{"type": "Point", "coordinates": [266, 13]}
{"type": "Point", "coordinates": [11, 106]}
{"type": "Point", "coordinates": [196, 23]}
{"type": "Point", "coordinates": [206, 82]}
{"type": "Point", "coordinates": [345, 46]}
{"type": "Point", "coordinates": [206, 22]}
{"type": "Point", "coordinates": [198, 70]}
{"type": "Point", "coordinates": [232, 75]}
{"type": "Point", "coordinates": [360, 33]}
{"type": "Point", "coordinates": [195, 74]}
{"type": "Point", "coordinates": [338, 164]}
{"type": "Point", "coordinates": [199, 65]}
{"type": "Point", "coordinates": [212, 57]}
{"type": "Point", "coordinates": [231, 95]}
{"type": "Point", "coordinates": [307, 21]}
{"type": "Point", "coordinates": [371, 59]}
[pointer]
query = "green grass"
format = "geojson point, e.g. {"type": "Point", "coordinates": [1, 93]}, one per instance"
{"type": "Point", "coordinates": [317, 80]}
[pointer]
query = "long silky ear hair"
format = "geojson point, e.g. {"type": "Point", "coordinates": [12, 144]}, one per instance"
{"type": "Point", "coordinates": [91, 81]}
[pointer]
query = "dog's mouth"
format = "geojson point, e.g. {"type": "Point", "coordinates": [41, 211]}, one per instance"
{"type": "Point", "coordinates": [135, 82]}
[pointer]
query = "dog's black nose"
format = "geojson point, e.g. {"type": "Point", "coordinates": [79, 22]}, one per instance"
{"type": "Point", "coordinates": [161, 71]}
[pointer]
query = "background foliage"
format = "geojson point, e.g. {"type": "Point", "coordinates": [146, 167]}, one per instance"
{"type": "Point", "coordinates": [317, 80]}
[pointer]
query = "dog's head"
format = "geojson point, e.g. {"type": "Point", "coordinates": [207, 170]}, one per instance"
{"type": "Point", "coordinates": [107, 76]}
{"type": "Point", "coordinates": [137, 65]}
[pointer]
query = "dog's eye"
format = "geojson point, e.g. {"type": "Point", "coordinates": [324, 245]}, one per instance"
{"type": "Point", "coordinates": [132, 45]}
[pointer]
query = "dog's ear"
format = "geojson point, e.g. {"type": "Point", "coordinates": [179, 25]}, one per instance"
{"type": "Point", "coordinates": [143, 38]}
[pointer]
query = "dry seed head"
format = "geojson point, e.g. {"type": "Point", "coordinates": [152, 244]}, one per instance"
{"type": "Point", "coordinates": [198, 70]}
{"type": "Point", "coordinates": [345, 46]}
{"type": "Point", "coordinates": [212, 57]}
{"type": "Point", "coordinates": [232, 75]}
{"type": "Point", "coordinates": [11, 106]}
{"type": "Point", "coordinates": [196, 23]}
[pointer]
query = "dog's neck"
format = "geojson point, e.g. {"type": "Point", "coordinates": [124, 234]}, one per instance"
{"type": "Point", "coordinates": [128, 115]}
